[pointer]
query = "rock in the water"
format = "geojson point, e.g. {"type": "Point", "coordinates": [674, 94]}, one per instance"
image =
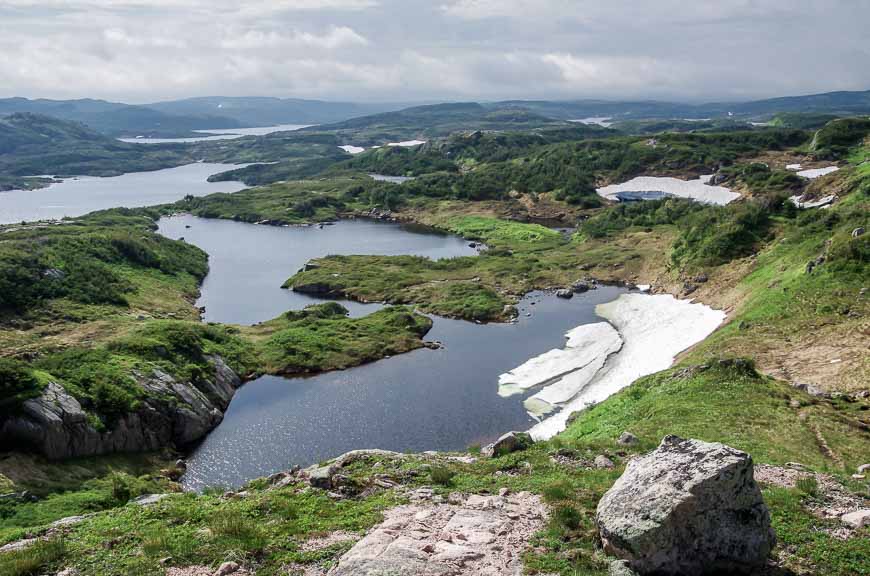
{"type": "Point", "coordinates": [687, 508]}
{"type": "Point", "coordinates": [510, 442]}
{"type": "Point", "coordinates": [857, 519]}
{"type": "Point", "coordinates": [565, 293]}
{"type": "Point", "coordinates": [628, 439]}
{"type": "Point", "coordinates": [580, 287]}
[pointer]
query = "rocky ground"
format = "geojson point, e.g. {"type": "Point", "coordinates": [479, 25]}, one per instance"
{"type": "Point", "coordinates": [463, 536]}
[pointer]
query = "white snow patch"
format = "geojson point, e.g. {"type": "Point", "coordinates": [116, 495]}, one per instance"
{"type": "Point", "coordinates": [645, 288]}
{"type": "Point", "coordinates": [603, 121]}
{"type": "Point", "coordinates": [820, 203]}
{"type": "Point", "coordinates": [817, 172]}
{"type": "Point", "coordinates": [694, 189]}
{"type": "Point", "coordinates": [654, 329]}
{"type": "Point", "coordinates": [793, 167]}
{"type": "Point", "coordinates": [407, 143]}
{"type": "Point", "coordinates": [586, 345]}
{"type": "Point", "coordinates": [352, 149]}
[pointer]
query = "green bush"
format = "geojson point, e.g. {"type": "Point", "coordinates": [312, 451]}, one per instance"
{"type": "Point", "coordinates": [441, 475]}
{"type": "Point", "coordinates": [17, 384]}
{"type": "Point", "coordinates": [720, 234]}
{"type": "Point", "coordinates": [97, 379]}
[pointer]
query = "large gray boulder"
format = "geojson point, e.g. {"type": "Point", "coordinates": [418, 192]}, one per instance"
{"type": "Point", "coordinates": [510, 442]}
{"type": "Point", "coordinates": [173, 412]}
{"type": "Point", "coordinates": [687, 508]}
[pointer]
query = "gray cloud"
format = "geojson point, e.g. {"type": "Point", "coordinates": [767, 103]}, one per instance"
{"type": "Point", "coordinates": [142, 50]}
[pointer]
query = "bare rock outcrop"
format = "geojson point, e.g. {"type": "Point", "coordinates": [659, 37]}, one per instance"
{"type": "Point", "coordinates": [471, 536]}
{"type": "Point", "coordinates": [173, 413]}
{"type": "Point", "coordinates": [687, 508]}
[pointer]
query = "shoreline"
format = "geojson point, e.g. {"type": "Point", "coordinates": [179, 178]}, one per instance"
{"type": "Point", "coordinates": [655, 329]}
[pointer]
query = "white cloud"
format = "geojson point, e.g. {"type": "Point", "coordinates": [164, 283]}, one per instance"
{"type": "Point", "coordinates": [141, 50]}
{"type": "Point", "coordinates": [338, 37]}
{"type": "Point", "coordinates": [220, 5]}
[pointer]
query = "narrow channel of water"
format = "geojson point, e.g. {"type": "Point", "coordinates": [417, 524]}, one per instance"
{"type": "Point", "coordinates": [220, 134]}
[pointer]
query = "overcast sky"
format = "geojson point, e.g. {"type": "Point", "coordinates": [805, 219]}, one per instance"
{"type": "Point", "coordinates": [409, 50]}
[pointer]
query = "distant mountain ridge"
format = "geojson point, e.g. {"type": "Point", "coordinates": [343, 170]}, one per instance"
{"type": "Point", "coordinates": [842, 103]}
{"type": "Point", "coordinates": [265, 111]}
{"type": "Point", "coordinates": [114, 118]}
{"type": "Point", "coordinates": [178, 118]}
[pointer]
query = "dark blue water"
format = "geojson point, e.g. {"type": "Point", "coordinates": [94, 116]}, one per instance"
{"type": "Point", "coordinates": [444, 399]}
{"type": "Point", "coordinates": [248, 263]}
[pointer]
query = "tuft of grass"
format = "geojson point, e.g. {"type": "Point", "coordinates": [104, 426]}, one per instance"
{"type": "Point", "coordinates": [32, 560]}
{"type": "Point", "coordinates": [442, 475]}
{"type": "Point", "coordinates": [808, 485]}
{"type": "Point", "coordinates": [239, 528]}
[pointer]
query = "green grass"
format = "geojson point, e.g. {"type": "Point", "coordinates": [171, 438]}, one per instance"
{"type": "Point", "coordinates": [805, 542]}
{"type": "Point", "coordinates": [322, 337]}
{"type": "Point", "coordinates": [32, 560]}
{"type": "Point", "coordinates": [501, 232]}
{"type": "Point", "coordinates": [729, 402]}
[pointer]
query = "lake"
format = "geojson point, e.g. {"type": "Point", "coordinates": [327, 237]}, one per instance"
{"type": "Point", "coordinates": [444, 399]}
{"type": "Point", "coordinates": [78, 196]}
{"type": "Point", "coordinates": [220, 134]}
{"type": "Point", "coordinates": [249, 263]}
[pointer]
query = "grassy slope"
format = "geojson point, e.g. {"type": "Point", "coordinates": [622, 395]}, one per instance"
{"type": "Point", "coordinates": [265, 530]}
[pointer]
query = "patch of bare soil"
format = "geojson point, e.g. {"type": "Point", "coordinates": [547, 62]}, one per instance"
{"type": "Point", "coordinates": [203, 571]}
{"type": "Point", "coordinates": [330, 539]}
{"type": "Point", "coordinates": [464, 536]}
{"type": "Point", "coordinates": [830, 501]}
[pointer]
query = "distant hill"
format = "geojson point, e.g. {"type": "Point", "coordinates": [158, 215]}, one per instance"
{"type": "Point", "coordinates": [261, 111]}
{"type": "Point", "coordinates": [434, 121]}
{"type": "Point", "coordinates": [840, 103]}
{"type": "Point", "coordinates": [116, 119]}
{"type": "Point", "coordinates": [34, 144]}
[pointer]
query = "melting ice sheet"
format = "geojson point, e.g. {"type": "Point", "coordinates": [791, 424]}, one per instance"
{"type": "Point", "coordinates": [694, 189]}
{"type": "Point", "coordinates": [653, 329]}
{"type": "Point", "coordinates": [814, 173]}
{"type": "Point", "coordinates": [565, 370]}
